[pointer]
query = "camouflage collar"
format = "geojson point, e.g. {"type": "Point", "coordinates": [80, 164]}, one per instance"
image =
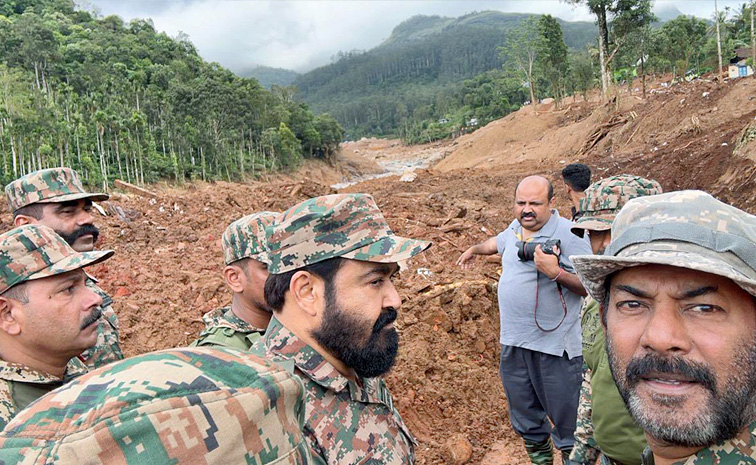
{"type": "Point", "coordinates": [739, 449]}
{"type": "Point", "coordinates": [226, 318]}
{"type": "Point", "coordinates": [24, 374]}
{"type": "Point", "coordinates": [282, 342]}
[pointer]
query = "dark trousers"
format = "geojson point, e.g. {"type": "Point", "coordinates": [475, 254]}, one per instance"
{"type": "Point", "coordinates": [541, 390]}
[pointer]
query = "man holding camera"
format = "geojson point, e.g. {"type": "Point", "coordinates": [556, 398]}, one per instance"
{"type": "Point", "coordinates": [539, 308]}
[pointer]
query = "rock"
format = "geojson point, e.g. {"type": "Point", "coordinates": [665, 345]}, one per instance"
{"type": "Point", "coordinates": [457, 450]}
{"type": "Point", "coordinates": [479, 346]}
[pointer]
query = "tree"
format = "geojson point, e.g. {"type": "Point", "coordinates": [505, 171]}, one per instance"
{"type": "Point", "coordinates": [719, 41]}
{"type": "Point", "coordinates": [521, 52]}
{"type": "Point", "coordinates": [616, 19]}
{"type": "Point", "coordinates": [681, 40]}
{"type": "Point", "coordinates": [552, 55]}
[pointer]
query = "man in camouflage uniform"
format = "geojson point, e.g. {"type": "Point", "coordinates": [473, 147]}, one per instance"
{"type": "Point", "coordinates": [677, 287]}
{"type": "Point", "coordinates": [55, 198]}
{"type": "Point", "coordinates": [332, 259]}
{"type": "Point", "coordinates": [178, 406]}
{"type": "Point", "coordinates": [241, 324]}
{"type": "Point", "coordinates": [607, 428]}
{"type": "Point", "coordinates": [47, 314]}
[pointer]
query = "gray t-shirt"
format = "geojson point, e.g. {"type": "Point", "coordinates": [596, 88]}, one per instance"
{"type": "Point", "coordinates": [517, 293]}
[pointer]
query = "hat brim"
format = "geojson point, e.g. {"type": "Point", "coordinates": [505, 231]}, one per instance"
{"type": "Point", "coordinates": [594, 269]}
{"type": "Point", "coordinates": [72, 262]}
{"type": "Point", "coordinates": [94, 196]}
{"type": "Point", "coordinates": [591, 223]}
{"type": "Point", "coordinates": [389, 249]}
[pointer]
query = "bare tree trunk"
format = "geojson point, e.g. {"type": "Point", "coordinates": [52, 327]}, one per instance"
{"type": "Point", "coordinates": [719, 43]}
{"type": "Point", "coordinates": [753, 42]}
{"type": "Point", "coordinates": [603, 36]}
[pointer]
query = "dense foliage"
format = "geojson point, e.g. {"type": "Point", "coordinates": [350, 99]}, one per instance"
{"type": "Point", "coordinates": [417, 76]}
{"type": "Point", "coordinates": [269, 77]}
{"type": "Point", "coordinates": [121, 100]}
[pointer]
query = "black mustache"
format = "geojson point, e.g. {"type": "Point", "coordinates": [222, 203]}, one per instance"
{"type": "Point", "coordinates": [82, 231]}
{"type": "Point", "coordinates": [388, 316]}
{"type": "Point", "coordinates": [641, 367]}
{"type": "Point", "coordinates": [92, 318]}
{"type": "Point", "coordinates": [528, 215]}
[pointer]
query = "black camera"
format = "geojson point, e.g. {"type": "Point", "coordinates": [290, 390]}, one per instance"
{"type": "Point", "coordinates": [526, 250]}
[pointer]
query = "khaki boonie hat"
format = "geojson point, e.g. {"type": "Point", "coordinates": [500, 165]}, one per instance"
{"type": "Point", "coordinates": [605, 198]}
{"type": "Point", "coordinates": [35, 251]}
{"type": "Point", "coordinates": [686, 229]}
{"type": "Point", "coordinates": [245, 238]}
{"type": "Point", "coordinates": [53, 185]}
{"type": "Point", "coordinates": [340, 225]}
{"type": "Point", "coordinates": [178, 406]}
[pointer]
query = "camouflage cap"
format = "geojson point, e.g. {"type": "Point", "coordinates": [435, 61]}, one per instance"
{"type": "Point", "coordinates": [35, 251]}
{"type": "Point", "coordinates": [177, 406]}
{"type": "Point", "coordinates": [53, 185]}
{"type": "Point", "coordinates": [340, 225]}
{"type": "Point", "coordinates": [245, 238]}
{"type": "Point", "coordinates": [605, 198]}
{"type": "Point", "coordinates": [685, 229]}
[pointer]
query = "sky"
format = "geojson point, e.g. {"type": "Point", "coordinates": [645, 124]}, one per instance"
{"type": "Point", "coordinates": [304, 34]}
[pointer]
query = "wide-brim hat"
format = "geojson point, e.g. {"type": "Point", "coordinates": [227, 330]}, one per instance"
{"type": "Point", "coordinates": [32, 252]}
{"type": "Point", "coordinates": [685, 229]}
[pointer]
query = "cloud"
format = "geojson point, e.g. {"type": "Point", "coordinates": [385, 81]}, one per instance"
{"type": "Point", "coordinates": [302, 35]}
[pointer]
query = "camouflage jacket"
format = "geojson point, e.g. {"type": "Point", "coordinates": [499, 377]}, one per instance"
{"type": "Point", "coordinates": [585, 450]}
{"type": "Point", "coordinates": [20, 385]}
{"type": "Point", "coordinates": [224, 329]}
{"type": "Point", "coordinates": [740, 450]}
{"type": "Point", "coordinates": [107, 349]}
{"type": "Point", "coordinates": [346, 422]}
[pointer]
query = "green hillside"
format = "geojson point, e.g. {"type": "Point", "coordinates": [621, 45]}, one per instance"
{"type": "Point", "coordinates": [115, 99]}
{"type": "Point", "coordinates": [269, 77]}
{"type": "Point", "coordinates": [418, 71]}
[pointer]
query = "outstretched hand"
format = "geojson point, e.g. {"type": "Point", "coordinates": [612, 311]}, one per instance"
{"type": "Point", "coordinates": [465, 260]}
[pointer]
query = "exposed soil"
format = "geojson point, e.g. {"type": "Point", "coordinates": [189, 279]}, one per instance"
{"type": "Point", "coordinates": [166, 272]}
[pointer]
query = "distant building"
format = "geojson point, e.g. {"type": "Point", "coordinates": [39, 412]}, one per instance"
{"type": "Point", "coordinates": [738, 67]}
{"type": "Point", "coordinates": [473, 122]}
{"type": "Point", "coordinates": [443, 121]}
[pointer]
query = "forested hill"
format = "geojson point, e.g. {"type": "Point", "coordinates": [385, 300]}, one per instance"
{"type": "Point", "coordinates": [420, 65]}
{"type": "Point", "coordinates": [269, 77]}
{"type": "Point", "coordinates": [114, 99]}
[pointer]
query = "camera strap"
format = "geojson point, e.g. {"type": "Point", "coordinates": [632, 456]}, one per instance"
{"type": "Point", "coordinates": [535, 309]}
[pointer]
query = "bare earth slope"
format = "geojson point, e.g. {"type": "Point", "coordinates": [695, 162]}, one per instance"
{"type": "Point", "coordinates": [166, 272]}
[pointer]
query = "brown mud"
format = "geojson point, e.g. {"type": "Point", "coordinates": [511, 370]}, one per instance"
{"type": "Point", "coordinates": [166, 271]}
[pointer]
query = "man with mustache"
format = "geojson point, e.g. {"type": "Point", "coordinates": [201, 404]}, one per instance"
{"type": "Point", "coordinates": [603, 424]}
{"type": "Point", "coordinates": [241, 324]}
{"type": "Point", "coordinates": [539, 308]}
{"type": "Point", "coordinates": [676, 287]}
{"type": "Point", "coordinates": [332, 261]}
{"type": "Point", "coordinates": [55, 198]}
{"type": "Point", "coordinates": [48, 315]}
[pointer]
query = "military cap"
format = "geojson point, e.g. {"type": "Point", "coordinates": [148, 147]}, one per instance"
{"type": "Point", "coordinates": [245, 237]}
{"type": "Point", "coordinates": [605, 198]}
{"type": "Point", "coordinates": [52, 185]}
{"type": "Point", "coordinates": [685, 229]}
{"type": "Point", "coordinates": [35, 251]}
{"type": "Point", "coordinates": [340, 225]}
{"type": "Point", "coordinates": [177, 406]}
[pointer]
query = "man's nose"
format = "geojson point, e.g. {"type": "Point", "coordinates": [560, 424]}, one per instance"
{"type": "Point", "coordinates": [665, 331]}
{"type": "Point", "coordinates": [392, 298]}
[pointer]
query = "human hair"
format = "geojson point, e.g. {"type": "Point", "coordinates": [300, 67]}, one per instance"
{"type": "Point", "coordinates": [18, 292]}
{"type": "Point", "coordinates": [34, 210]}
{"type": "Point", "coordinates": [277, 285]}
{"type": "Point", "coordinates": [577, 176]}
{"type": "Point", "coordinates": [241, 263]}
{"type": "Point", "coordinates": [604, 306]}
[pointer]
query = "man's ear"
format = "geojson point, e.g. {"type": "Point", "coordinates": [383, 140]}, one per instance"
{"type": "Point", "coordinates": [235, 278]}
{"type": "Point", "coordinates": [307, 291]}
{"type": "Point", "coordinates": [8, 311]}
{"type": "Point", "coordinates": [22, 220]}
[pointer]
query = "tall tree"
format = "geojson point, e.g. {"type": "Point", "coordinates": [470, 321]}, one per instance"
{"type": "Point", "coordinates": [552, 55]}
{"type": "Point", "coordinates": [521, 53]}
{"type": "Point", "coordinates": [719, 41]}
{"type": "Point", "coordinates": [616, 19]}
